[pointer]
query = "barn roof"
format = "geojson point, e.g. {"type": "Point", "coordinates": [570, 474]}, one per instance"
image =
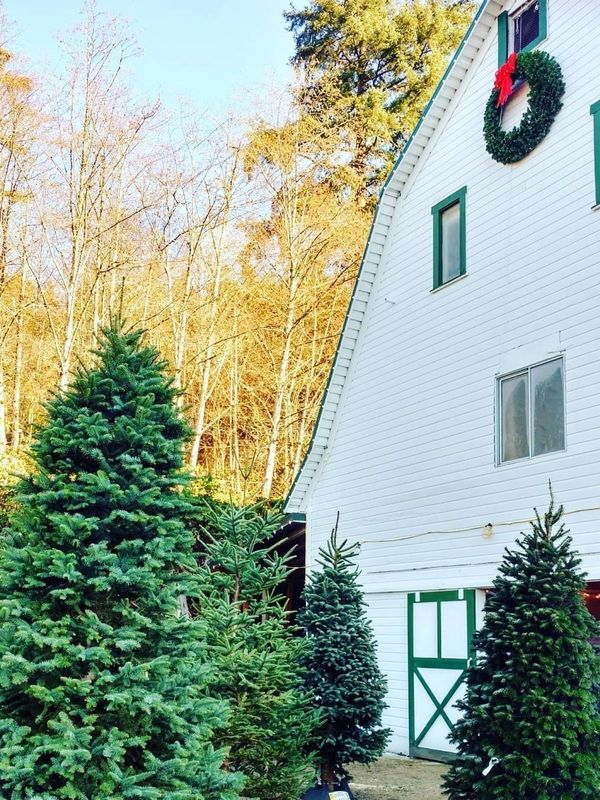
{"type": "Point", "coordinates": [390, 194]}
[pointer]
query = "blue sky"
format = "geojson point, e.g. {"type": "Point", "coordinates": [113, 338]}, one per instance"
{"type": "Point", "coordinates": [210, 51]}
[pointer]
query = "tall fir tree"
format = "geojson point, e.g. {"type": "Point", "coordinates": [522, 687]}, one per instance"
{"type": "Point", "coordinates": [369, 68]}
{"type": "Point", "coordinates": [530, 727]}
{"type": "Point", "coordinates": [102, 680]}
{"type": "Point", "coordinates": [341, 670]}
{"type": "Point", "coordinates": [256, 652]}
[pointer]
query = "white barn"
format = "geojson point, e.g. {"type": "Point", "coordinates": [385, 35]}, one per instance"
{"type": "Point", "coordinates": [468, 371]}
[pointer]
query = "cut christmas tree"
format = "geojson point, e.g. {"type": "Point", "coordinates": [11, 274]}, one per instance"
{"type": "Point", "coordinates": [256, 652]}
{"type": "Point", "coordinates": [341, 670]}
{"type": "Point", "coordinates": [530, 726]}
{"type": "Point", "coordinates": [102, 681]}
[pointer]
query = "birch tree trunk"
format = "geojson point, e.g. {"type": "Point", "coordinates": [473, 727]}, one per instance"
{"type": "Point", "coordinates": [206, 365]}
{"type": "Point", "coordinates": [3, 437]}
{"type": "Point", "coordinates": [229, 161]}
{"type": "Point", "coordinates": [280, 389]}
{"type": "Point", "coordinates": [19, 342]}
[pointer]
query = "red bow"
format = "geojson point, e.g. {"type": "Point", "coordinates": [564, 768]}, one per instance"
{"type": "Point", "coordinates": [504, 81]}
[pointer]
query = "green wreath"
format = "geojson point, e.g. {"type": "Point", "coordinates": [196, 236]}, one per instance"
{"type": "Point", "coordinates": [546, 88]}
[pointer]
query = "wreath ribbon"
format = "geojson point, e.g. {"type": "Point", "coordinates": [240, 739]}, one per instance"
{"type": "Point", "coordinates": [504, 79]}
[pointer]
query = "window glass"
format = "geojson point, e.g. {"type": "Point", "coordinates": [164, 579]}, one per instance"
{"type": "Point", "coordinates": [526, 26]}
{"type": "Point", "coordinates": [451, 242]}
{"type": "Point", "coordinates": [514, 402]}
{"type": "Point", "coordinates": [548, 407]}
{"type": "Point", "coordinates": [532, 411]}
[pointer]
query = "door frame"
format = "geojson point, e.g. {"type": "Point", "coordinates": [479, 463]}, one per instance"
{"type": "Point", "coordinates": [415, 663]}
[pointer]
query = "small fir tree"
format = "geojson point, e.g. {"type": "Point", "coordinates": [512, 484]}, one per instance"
{"type": "Point", "coordinates": [530, 725]}
{"type": "Point", "coordinates": [341, 670]}
{"type": "Point", "coordinates": [256, 651]}
{"type": "Point", "coordinates": [102, 683]}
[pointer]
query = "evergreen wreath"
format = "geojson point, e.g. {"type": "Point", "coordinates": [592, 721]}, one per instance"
{"type": "Point", "coordinates": [544, 75]}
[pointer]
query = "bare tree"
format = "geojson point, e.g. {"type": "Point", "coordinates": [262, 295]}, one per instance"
{"type": "Point", "coordinates": [302, 251]}
{"type": "Point", "coordinates": [93, 136]}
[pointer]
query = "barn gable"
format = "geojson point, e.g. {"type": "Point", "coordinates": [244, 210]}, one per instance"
{"type": "Point", "coordinates": [483, 23]}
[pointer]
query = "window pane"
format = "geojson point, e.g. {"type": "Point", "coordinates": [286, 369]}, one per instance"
{"type": "Point", "coordinates": [451, 242]}
{"type": "Point", "coordinates": [548, 402]}
{"type": "Point", "coordinates": [515, 419]}
{"type": "Point", "coordinates": [527, 26]}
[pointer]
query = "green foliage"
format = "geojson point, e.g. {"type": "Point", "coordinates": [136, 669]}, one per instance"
{"type": "Point", "coordinates": [341, 670]}
{"type": "Point", "coordinates": [102, 682]}
{"type": "Point", "coordinates": [256, 652]}
{"type": "Point", "coordinates": [546, 88]}
{"type": "Point", "coordinates": [10, 467]}
{"type": "Point", "coordinates": [7, 504]}
{"type": "Point", "coordinates": [370, 67]}
{"type": "Point", "coordinates": [529, 701]}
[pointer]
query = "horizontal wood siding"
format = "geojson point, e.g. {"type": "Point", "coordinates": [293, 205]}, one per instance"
{"type": "Point", "coordinates": [387, 611]}
{"type": "Point", "coordinates": [410, 461]}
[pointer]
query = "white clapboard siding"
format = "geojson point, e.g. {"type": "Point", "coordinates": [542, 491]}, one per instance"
{"type": "Point", "coordinates": [392, 655]}
{"type": "Point", "coordinates": [408, 452]}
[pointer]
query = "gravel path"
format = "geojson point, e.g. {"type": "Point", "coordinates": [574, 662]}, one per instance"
{"type": "Point", "coordinates": [398, 778]}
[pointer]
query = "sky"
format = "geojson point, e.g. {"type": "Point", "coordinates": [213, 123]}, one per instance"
{"type": "Point", "coordinates": [208, 51]}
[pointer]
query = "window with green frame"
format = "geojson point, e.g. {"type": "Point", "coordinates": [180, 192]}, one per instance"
{"type": "Point", "coordinates": [450, 238]}
{"type": "Point", "coordinates": [522, 28]}
{"type": "Point", "coordinates": [595, 112]}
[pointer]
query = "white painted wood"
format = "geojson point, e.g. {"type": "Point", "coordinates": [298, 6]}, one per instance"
{"type": "Point", "coordinates": [406, 452]}
{"type": "Point", "coordinates": [386, 612]}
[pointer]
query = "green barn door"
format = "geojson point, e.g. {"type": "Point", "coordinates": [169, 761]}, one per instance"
{"type": "Point", "coordinates": [440, 627]}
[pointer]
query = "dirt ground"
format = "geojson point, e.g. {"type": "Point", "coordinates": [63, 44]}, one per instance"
{"type": "Point", "coordinates": [397, 778]}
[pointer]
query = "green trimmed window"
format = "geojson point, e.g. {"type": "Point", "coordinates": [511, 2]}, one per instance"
{"type": "Point", "coordinates": [450, 238]}
{"type": "Point", "coordinates": [522, 28]}
{"type": "Point", "coordinates": [531, 415]}
{"type": "Point", "coordinates": [595, 112]}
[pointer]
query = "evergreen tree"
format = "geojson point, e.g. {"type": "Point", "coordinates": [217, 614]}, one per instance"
{"type": "Point", "coordinates": [102, 683]}
{"type": "Point", "coordinates": [256, 651]}
{"type": "Point", "coordinates": [341, 670]}
{"type": "Point", "coordinates": [530, 725]}
{"type": "Point", "coordinates": [370, 66]}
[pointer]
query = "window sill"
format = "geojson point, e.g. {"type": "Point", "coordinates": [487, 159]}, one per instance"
{"type": "Point", "coordinates": [448, 283]}
{"type": "Point", "coordinates": [526, 459]}
{"type": "Point", "coordinates": [595, 208]}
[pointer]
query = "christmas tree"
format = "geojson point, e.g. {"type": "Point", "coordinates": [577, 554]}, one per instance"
{"type": "Point", "coordinates": [530, 725]}
{"type": "Point", "coordinates": [256, 652]}
{"type": "Point", "coordinates": [341, 670]}
{"type": "Point", "coordinates": [102, 679]}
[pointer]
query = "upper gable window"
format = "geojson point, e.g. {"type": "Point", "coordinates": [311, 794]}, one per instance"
{"type": "Point", "coordinates": [449, 238]}
{"type": "Point", "coordinates": [521, 28]}
{"type": "Point", "coordinates": [524, 26]}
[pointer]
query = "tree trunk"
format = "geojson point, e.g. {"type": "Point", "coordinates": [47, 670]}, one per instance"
{"type": "Point", "coordinates": [16, 406]}
{"type": "Point", "coordinates": [3, 441]}
{"type": "Point", "coordinates": [327, 773]}
{"type": "Point", "coordinates": [180, 342]}
{"type": "Point", "coordinates": [67, 345]}
{"type": "Point", "coordinates": [207, 363]}
{"type": "Point", "coordinates": [280, 390]}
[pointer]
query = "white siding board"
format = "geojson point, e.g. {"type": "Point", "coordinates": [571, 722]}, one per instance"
{"type": "Point", "coordinates": [387, 612]}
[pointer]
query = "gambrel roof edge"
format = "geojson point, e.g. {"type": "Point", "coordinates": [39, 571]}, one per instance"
{"type": "Point", "coordinates": [392, 190]}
